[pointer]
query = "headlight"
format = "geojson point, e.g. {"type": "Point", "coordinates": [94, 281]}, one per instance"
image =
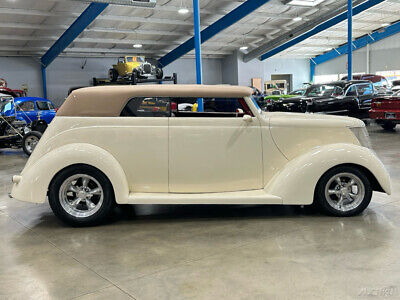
{"type": "Point", "coordinates": [362, 136]}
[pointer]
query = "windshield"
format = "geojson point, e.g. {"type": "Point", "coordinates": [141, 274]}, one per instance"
{"type": "Point", "coordinates": [322, 90]}
{"type": "Point", "coordinates": [5, 105]}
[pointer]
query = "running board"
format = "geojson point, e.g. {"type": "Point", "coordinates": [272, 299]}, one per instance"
{"type": "Point", "coordinates": [242, 197]}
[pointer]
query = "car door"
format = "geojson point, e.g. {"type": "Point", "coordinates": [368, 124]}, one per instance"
{"type": "Point", "coordinates": [214, 151]}
{"type": "Point", "coordinates": [26, 111]}
{"type": "Point", "coordinates": [365, 93]}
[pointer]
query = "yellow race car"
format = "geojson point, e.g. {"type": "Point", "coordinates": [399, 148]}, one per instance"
{"type": "Point", "coordinates": [134, 67]}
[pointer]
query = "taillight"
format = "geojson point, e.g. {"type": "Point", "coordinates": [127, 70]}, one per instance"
{"type": "Point", "coordinates": [376, 104]}
{"type": "Point", "coordinates": [56, 109]}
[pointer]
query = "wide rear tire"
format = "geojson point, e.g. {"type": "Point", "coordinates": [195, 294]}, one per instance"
{"type": "Point", "coordinates": [29, 141]}
{"type": "Point", "coordinates": [387, 125]}
{"type": "Point", "coordinates": [81, 195]}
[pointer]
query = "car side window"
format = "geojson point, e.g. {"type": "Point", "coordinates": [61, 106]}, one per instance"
{"type": "Point", "coordinates": [352, 91]}
{"type": "Point", "coordinates": [147, 107]}
{"type": "Point", "coordinates": [213, 107]}
{"type": "Point", "coordinates": [42, 105]}
{"type": "Point", "coordinates": [26, 106]}
{"type": "Point", "coordinates": [51, 106]}
{"type": "Point", "coordinates": [365, 89]}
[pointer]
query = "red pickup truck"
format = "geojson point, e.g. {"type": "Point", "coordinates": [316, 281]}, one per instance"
{"type": "Point", "coordinates": [386, 111]}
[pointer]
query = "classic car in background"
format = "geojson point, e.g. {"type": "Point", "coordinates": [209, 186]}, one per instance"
{"type": "Point", "coordinates": [133, 67]}
{"type": "Point", "coordinates": [380, 83]}
{"type": "Point", "coordinates": [163, 157]}
{"type": "Point", "coordinates": [29, 109]}
{"type": "Point", "coordinates": [23, 120]}
{"type": "Point", "coordinates": [386, 111]}
{"type": "Point", "coordinates": [395, 86]}
{"type": "Point", "coordinates": [340, 97]}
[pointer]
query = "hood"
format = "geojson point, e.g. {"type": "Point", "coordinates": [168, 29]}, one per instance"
{"type": "Point", "coordinates": [309, 119]}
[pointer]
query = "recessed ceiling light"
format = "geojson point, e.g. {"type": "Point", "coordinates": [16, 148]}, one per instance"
{"type": "Point", "coordinates": [385, 24]}
{"type": "Point", "coordinates": [297, 19]}
{"type": "Point", "coordinates": [137, 45]}
{"type": "Point", "coordinates": [244, 48]}
{"type": "Point", "coordinates": [308, 3]}
{"type": "Point", "coordinates": [183, 11]}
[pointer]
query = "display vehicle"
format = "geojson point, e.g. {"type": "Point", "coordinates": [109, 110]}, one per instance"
{"type": "Point", "coordinates": [106, 146]}
{"type": "Point", "coordinates": [386, 111]}
{"type": "Point", "coordinates": [134, 67]}
{"type": "Point", "coordinates": [340, 97]}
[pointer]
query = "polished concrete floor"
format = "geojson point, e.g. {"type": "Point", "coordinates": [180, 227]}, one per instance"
{"type": "Point", "coordinates": [204, 252]}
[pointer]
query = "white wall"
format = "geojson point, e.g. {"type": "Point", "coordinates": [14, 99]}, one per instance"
{"type": "Point", "coordinates": [299, 68]}
{"type": "Point", "coordinates": [384, 55]}
{"type": "Point", "coordinates": [67, 72]}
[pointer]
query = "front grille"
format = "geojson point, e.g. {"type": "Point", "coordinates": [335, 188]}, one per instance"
{"type": "Point", "coordinates": [147, 68]}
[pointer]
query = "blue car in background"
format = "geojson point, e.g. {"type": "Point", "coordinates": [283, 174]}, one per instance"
{"type": "Point", "coordinates": [28, 109]}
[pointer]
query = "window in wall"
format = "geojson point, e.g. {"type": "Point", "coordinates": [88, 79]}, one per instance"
{"type": "Point", "coordinates": [325, 78]}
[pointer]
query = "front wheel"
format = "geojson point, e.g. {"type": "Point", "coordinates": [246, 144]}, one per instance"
{"type": "Point", "coordinates": [113, 75]}
{"type": "Point", "coordinates": [81, 195]}
{"type": "Point", "coordinates": [29, 141]}
{"type": "Point", "coordinates": [343, 191]}
{"type": "Point", "coordinates": [159, 73]}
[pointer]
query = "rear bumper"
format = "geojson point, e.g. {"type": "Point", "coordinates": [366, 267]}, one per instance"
{"type": "Point", "coordinates": [380, 115]}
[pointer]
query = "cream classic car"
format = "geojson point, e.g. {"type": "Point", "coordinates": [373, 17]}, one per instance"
{"type": "Point", "coordinates": [132, 145]}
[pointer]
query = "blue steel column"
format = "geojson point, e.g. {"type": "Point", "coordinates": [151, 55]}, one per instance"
{"type": "Point", "coordinates": [44, 82]}
{"type": "Point", "coordinates": [349, 39]}
{"type": "Point", "coordinates": [197, 46]}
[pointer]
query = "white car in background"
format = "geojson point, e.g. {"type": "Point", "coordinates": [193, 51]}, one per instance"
{"type": "Point", "coordinates": [105, 147]}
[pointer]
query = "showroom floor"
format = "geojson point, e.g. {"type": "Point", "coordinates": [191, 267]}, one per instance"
{"type": "Point", "coordinates": [203, 252]}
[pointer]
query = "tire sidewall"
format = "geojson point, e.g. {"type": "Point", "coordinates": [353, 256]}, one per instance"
{"type": "Point", "coordinates": [320, 198]}
{"type": "Point", "coordinates": [24, 138]}
{"type": "Point", "coordinates": [96, 218]}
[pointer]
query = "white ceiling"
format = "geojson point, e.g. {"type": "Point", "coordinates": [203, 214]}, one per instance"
{"type": "Point", "coordinates": [30, 27]}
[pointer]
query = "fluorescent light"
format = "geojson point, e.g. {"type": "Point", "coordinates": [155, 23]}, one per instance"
{"type": "Point", "coordinates": [137, 45]}
{"type": "Point", "coordinates": [244, 48]}
{"type": "Point", "coordinates": [297, 19]}
{"type": "Point", "coordinates": [140, 3]}
{"type": "Point", "coordinates": [308, 3]}
{"type": "Point", "coordinates": [385, 24]}
{"type": "Point", "coordinates": [183, 11]}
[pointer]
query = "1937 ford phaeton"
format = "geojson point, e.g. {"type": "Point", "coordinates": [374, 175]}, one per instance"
{"type": "Point", "coordinates": [132, 145]}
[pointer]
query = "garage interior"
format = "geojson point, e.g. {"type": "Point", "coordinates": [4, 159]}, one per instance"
{"type": "Point", "coordinates": [48, 47]}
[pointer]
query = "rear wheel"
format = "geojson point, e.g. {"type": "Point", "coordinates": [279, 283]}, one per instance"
{"type": "Point", "coordinates": [343, 191]}
{"type": "Point", "coordinates": [81, 195]}
{"type": "Point", "coordinates": [159, 73]}
{"type": "Point", "coordinates": [387, 125]}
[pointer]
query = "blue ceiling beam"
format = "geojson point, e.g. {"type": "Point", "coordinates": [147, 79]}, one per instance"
{"type": "Point", "coordinates": [80, 24]}
{"type": "Point", "coordinates": [231, 18]}
{"type": "Point", "coordinates": [359, 43]}
{"type": "Point", "coordinates": [321, 27]}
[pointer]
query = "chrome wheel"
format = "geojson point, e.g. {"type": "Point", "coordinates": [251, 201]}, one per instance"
{"type": "Point", "coordinates": [31, 142]}
{"type": "Point", "coordinates": [344, 191]}
{"type": "Point", "coordinates": [81, 195]}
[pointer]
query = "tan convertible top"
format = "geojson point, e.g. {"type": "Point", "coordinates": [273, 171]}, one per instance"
{"type": "Point", "coordinates": [108, 101]}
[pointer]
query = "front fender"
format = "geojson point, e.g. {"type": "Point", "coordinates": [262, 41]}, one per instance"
{"type": "Point", "coordinates": [296, 182]}
{"type": "Point", "coordinates": [35, 179]}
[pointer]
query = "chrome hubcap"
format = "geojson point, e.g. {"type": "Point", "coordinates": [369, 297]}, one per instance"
{"type": "Point", "coordinates": [344, 191]}
{"type": "Point", "coordinates": [81, 195]}
{"type": "Point", "coordinates": [30, 143]}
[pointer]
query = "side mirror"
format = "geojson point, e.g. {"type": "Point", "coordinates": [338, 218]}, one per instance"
{"type": "Point", "coordinates": [247, 118]}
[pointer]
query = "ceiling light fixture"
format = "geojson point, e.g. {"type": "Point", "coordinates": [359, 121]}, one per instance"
{"type": "Point", "coordinates": [385, 24]}
{"type": "Point", "coordinates": [182, 9]}
{"type": "Point", "coordinates": [244, 48]}
{"type": "Point", "coordinates": [297, 19]}
{"type": "Point", "coordinates": [137, 45]}
{"type": "Point", "coordinates": [308, 3]}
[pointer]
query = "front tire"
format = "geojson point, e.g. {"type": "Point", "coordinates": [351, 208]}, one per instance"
{"type": "Point", "coordinates": [159, 73]}
{"type": "Point", "coordinates": [81, 195]}
{"type": "Point", "coordinates": [29, 141]}
{"type": "Point", "coordinates": [343, 191]}
{"type": "Point", "coordinates": [113, 75]}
